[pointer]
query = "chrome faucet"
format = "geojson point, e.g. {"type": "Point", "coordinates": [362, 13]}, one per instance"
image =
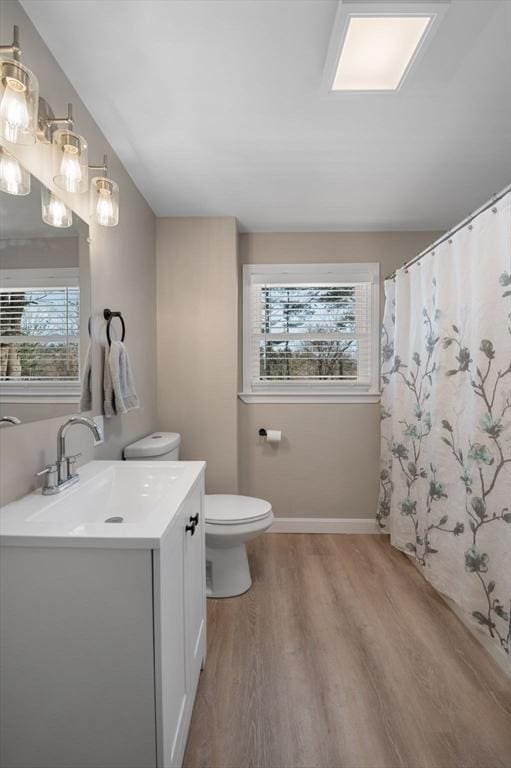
{"type": "Point", "coordinates": [61, 475]}
{"type": "Point", "coordinates": [9, 420]}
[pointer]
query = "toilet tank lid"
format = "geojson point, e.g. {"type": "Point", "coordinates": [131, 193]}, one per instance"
{"type": "Point", "coordinates": [156, 444]}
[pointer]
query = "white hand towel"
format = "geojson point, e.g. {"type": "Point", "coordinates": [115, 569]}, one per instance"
{"type": "Point", "coordinates": [86, 395]}
{"type": "Point", "coordinates": [108, 390]}
{"type": "Point", "coordinates": [125, 397]}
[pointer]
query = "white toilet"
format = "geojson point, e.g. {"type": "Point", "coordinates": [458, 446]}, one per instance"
{"type": "Point", "coordinates": [231, 521]}
{"type": "Point", "coordinates": [159, 446]}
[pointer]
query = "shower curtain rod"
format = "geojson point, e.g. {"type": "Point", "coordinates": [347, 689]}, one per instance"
{"type": "Point", "coordinates": [494, 199]}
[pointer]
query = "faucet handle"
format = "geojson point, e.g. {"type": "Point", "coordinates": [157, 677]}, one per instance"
{"type": "Point", "coordinates": [70, 461]}
{"type": "Point", "coordinates": [49, 468]}
{"type": "Point", "coordinates": [50, 471]}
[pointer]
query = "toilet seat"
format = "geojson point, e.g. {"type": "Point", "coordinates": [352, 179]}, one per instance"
{"type": "Point", "coordinates": [231, 509]}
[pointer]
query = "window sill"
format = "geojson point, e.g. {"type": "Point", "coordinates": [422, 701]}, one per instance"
{"type": "Point", "coordinates": [310, 397]}
{"type": "Point", "coordinates": [36, 392]}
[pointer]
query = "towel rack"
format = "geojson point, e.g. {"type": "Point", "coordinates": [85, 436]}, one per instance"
{"type": "Point", "coordinates": [109, 315]}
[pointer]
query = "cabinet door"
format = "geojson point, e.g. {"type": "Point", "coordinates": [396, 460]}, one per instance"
{"type": "Point", "coordinates": [169, 639]}
{"type": "Point", "coordinates": [195, 591]}
{"type": "Point", "coordinates": [76, 637]}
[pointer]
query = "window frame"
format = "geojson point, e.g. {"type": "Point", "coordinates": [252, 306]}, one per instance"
{"type": "Point", "coordinates": [314, 391]}
{"type": "Point", "coordinates": [40, 392]}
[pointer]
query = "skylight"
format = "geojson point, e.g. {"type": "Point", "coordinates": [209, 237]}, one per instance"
{"type": "Point", "coordinates": [377, 51]}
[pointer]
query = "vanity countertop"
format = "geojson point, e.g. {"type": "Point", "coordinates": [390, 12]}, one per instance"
{"type": "Point", "coordinates": [141, 498]}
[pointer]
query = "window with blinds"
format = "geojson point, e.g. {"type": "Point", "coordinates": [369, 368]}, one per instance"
{"type": "Point", "coordinates": [39, 328]}
{"type": "Point", "coordinates": [310, 328]}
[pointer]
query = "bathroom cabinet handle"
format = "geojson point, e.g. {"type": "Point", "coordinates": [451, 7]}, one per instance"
{"type": "Point", "coordinates": [190, 528]}
{"type": "Point", "coordinates": [195, 519]}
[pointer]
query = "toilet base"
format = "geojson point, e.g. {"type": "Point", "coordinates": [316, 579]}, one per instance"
{"type": "Point", "coordinates": [227, 571]}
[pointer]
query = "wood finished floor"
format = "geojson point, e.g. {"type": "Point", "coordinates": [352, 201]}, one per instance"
{"type": "Point", "coordinates": [342, 656]}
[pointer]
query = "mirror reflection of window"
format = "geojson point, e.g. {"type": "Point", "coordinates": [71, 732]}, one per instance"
{"type": "Point", "coordinates": [44, 309]}
{"type": "Point", "coordinates": [40, 326]}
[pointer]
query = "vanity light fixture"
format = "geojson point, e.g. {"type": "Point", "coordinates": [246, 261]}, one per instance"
{"type": "Point", "coordinates": [24, 118]}
{"type": "Point", "coordinates": [70, 165]}
{"type": "Point", "coordinates": [14, 179]}
{"type": "Point", "coordinates": [54, 211]}
{"type": "Point", "coordinates": [19, 96]}
{"type": "Point", "coordinates": [104, 197]}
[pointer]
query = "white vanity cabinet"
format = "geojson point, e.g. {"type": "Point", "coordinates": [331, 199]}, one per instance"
{"type": "Point", "coordinates": [102, 644]}
{"type": "Point", "coordinates": [180, 628]}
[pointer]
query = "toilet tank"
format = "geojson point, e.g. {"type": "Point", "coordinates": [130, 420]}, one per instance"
{"type": "Point", "coordinates": [159, 446]}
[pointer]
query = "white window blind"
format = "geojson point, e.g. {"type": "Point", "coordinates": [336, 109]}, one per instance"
{"type": "Point", "coordinates": [39, 328]}
{"type": "Point", "coordinates": [310, 328]}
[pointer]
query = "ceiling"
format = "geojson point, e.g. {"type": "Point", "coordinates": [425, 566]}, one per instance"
{"type": "Point", "coordinates": [215, 108]}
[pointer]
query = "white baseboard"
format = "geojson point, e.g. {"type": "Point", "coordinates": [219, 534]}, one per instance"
{"type": "Point", "coordinates": [324, 525]}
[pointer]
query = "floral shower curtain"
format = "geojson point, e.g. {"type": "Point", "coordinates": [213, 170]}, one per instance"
{"type": "Point", "coordinates": [445, 480]}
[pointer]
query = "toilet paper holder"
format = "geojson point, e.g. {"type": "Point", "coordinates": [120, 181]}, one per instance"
{"type": "Point", "coordinates": [270, 435]}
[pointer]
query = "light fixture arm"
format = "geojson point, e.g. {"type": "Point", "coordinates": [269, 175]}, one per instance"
{"type": "Point", "coordinates": [14, 48]}
{"type": "Point", "coordinates": [68, 121]}
{"type": "Point", "coordinates": [48, 123]}
{"type": "Point", "coordinates": [101, 168]}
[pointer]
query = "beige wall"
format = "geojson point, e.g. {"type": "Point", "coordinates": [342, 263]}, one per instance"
{"type": "Point", "coordinates": [123, 277]}
{"type": "Point", "coordinates": [327, 463]}
{"type": "Point", "coordinates": [197, 342]}
{"type": "Point", "coordinates": [39, 253]}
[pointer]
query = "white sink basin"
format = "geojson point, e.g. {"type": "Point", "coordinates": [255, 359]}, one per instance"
{"type": "Point", "coordinates": [115, 503]}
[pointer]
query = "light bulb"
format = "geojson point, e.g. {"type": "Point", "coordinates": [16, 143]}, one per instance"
{"type": "Point", "coordinates": [104, 207]}
{"type": "Point", "coordinates": [19, 101]}
{"type": "Point", "coordinates": [57, 212]}
{"type": "Point", "coordinates": [70, 168]}
{"type": "Point", "coordinates": [10, 174]}
{"type": "Point", "coordinates": [14, 179]}
{"type": "Point", "coordinates": [54, 211]}
{"type": "Point", "coordinates": [13, 109]}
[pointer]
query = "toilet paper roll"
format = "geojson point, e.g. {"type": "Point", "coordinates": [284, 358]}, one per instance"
{"type": "Point", "coordinates": [273, 435]}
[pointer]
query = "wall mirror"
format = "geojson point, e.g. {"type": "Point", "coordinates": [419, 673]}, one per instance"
{"type": "Point", "coordinates": [45, 306]}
